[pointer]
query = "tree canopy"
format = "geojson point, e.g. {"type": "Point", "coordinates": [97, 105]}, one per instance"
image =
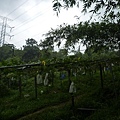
{"type": "Point", "coordinates": [31, 51]}
{"type": "Point", "coordinates": [102, 34]}
{"type": "Point", "coordinates": [97, 35]}
{"type": "Point", "coordinates": [6, 51]}
{"type": "Point", "coordinates": [31, 42]}
{"type": "Point", "coordinates": [104, 8]}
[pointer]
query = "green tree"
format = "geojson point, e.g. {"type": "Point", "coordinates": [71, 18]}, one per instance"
{"type": "Point", "coordinates": [6, 51]}
{"type": "Point", "coordinates": [31, 52]}
{"type": "Point", "coordinates": [31, 42]}
{"type": "Point", "coordinates": [12, 61]}
{"type": "Point", "coordinates": [110, 8]}
{"type": "Point", "coordinates": [18, 53]}
{"type": "Point", "coordinates": [62, 53]}
{"type": "Point", "coordinates": [96, 35]}
{"type": "Point", "coordinates": [47, 52]}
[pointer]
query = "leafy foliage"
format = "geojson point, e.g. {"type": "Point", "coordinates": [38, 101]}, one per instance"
{"type": "Point", "coordinates": [6, 51]}
{"type": "Point", "coordinates": [96, 35]}
{"type": "Point", "coordinates": [31, 51]}
{"type": "Point", "coordinates": [110, 8]}
{"type": "Point", "coordinates": [4, 91]}
{"type": "Point", "coordinates": [31, 42]}
{"type": "Point", "coordinates": [56, 102]}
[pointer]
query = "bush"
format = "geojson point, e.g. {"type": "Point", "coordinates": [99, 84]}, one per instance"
{"type": "Point", "coordinates": [4, 90]}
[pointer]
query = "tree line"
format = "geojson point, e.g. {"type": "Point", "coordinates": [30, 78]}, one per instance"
{"type": "Point", "coordinates": [99, 38]}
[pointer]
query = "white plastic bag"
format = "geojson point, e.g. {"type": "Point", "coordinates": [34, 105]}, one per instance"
{"type": "Point", "coordinates": [39, 79]}
{"type": "Point", "coordinates": [46, 79]}
{"type": "Point", "coordinates": [72, 88]}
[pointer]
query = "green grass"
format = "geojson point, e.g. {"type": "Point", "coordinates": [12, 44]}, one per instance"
{"type": "Point", "coordinates": [13, 107]}
{"type": "Point", "coordinates": [55, 102]}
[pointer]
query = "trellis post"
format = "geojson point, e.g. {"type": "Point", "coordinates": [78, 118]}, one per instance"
{"type": "Point", "coordinates": [69, 74]}
{"type": "Point", "coordinates": [9, 83]}
{"type": "Point", "coordinates": [101, 76]}
{"type": "Point", "coordinates": [0, 76]}
{"type": "Point", "coordinates": [35, 86]}
{"type": "Point", "coordinates": [113, 79]}
{"type": "Point", "coordinates": [20, 88]}
{"type": "Point", "coordinates": [52, 78]}
{"type": "Point", "coordinates": [72, 90]}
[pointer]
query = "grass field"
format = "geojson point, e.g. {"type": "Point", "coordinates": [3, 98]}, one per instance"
{"type": "Point", "coordinates": [54, 102]}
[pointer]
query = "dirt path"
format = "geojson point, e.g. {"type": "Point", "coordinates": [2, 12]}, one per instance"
{"type": "Point", "coordinates": [49, 107]}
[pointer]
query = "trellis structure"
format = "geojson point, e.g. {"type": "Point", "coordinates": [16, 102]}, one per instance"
{"type": "Point", "coordinates": [67, 66]}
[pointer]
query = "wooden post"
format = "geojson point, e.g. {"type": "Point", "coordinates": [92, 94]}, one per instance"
{"type": "Point", "coordinates": [113, 79]}
{"type": "Point", "coordinates": [69, 74]}
{"type": "Point", "coordinates": [104, 72]}
{"type": "Point", "coordinates": [53, 78]}
{"type": "Point", "coordinates": [101, 76]}
{"type": "Point", "coordinates": [61, 79]}
{"type": "Point", "coordinates": [76, 74]}
{"type": "Point", "coordinates": [0, 76]}
{"type": "Point", "coordinates": [35, 87]}
{"type": "Point", "coordinates": [20, 88]}
{"type": "Point", "coordinates": [9, 83]}
{"type": "Point", "coordinates": [73, 103]}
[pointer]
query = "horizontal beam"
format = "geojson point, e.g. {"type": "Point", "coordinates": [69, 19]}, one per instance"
{"type": "Point", "coordinates": [61, 64]}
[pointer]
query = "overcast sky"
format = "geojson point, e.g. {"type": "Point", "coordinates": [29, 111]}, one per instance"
{"type": "Point", "coordinates": [33, 18]}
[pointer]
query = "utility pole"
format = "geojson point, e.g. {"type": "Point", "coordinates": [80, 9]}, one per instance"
{"type": "Point", "coordinates": [3, 29]}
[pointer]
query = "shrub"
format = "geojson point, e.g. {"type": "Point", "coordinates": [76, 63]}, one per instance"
{"type": "Point", "coordinates": [4, 90]}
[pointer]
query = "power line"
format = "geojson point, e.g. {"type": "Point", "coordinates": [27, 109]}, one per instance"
{"type": "Point", "coordinates": [30, 20]}
{"type": "Point", "coordinates": [17, 8]}
{"type": "Point", "coordinates": [29, 27]}
{"type": "Point", "coordinates": [38, 33]}
{"type": "Point", "coordinates": [3, 31]}
{"type": "Point", "coordinates": [22, 13]}
{"type": "Point", "coordinates": [27, 11]}
{"type": "Point", "coordinates": [24, 30]}
{"type": "Point", "coordinates": [31, 37]}
{"type": "Point", "coordinates": [5, 25]}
